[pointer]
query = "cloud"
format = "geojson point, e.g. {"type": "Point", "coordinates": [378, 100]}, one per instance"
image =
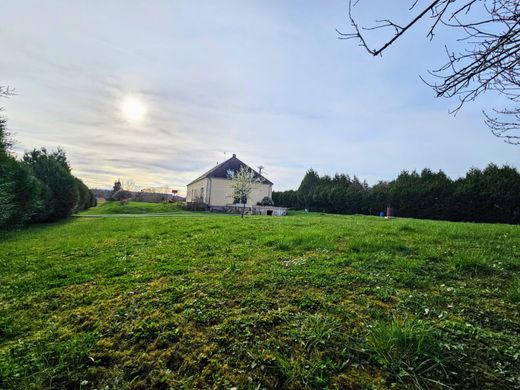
{"type": "Point", "coordinates": [266, 80]}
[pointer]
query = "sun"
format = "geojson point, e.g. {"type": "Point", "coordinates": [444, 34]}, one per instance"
{"type": "Point", "coordinates": [133, 109]}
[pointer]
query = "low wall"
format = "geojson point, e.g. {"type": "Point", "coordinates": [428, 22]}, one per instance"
{"type": "Point", "coordinates": [257, 210]}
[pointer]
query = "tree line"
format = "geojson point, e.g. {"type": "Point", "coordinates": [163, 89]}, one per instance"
{"type": "Point", "coordinates": [38, 188]}
{"type": "Point", "coordinates": [488, 195]}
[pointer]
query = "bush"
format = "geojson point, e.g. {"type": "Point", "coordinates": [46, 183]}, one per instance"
{"type": "Point", "coordinates": [22, 196]}
{"type": "Point", "coordinates": [84, 196]}
{"type": "Point", "coordinates": [266, 201]}
{"type": "Point", "coordinates": [53, 170]}
{"type": "Point", "coordinates": [39, 188]}
{"type": "Point", "coordinates": [122, 195]}
{"type": "Point", "coordinates": [93, 199]}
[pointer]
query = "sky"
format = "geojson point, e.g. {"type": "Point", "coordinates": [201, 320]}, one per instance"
{"type": "Point", "coordinates": [158, 92]}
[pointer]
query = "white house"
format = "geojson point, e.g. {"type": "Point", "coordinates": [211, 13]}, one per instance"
{"type": "Point", "coordinates": [214, 187]}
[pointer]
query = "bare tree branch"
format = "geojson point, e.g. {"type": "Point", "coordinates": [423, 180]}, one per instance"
{"type": "Point", "coordinates": [6, 91]}
{"type": "Point", "coordinates": [489, 63]}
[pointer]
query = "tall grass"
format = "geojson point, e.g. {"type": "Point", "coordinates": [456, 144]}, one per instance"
{"type": "Point", "coordinates": [410, 349]}
{"type": "Point", "coordinates": [513, 291]}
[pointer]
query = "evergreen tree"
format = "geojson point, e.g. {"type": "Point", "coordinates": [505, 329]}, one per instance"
{"type": "Point", "coordinates": [491, 195]}
{"type": "Point", "coordinates": [307, 188]}
{"type": "Point", "coordinates": [51, 170]}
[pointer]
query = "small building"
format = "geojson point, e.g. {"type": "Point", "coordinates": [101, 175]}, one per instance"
{"type": "Point", "coordinates": [214, 190]}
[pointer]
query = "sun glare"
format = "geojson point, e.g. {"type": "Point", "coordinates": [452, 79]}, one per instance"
{"type": "Point", "coordinates": [133, 109]}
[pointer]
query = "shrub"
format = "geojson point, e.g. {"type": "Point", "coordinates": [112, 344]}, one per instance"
{"type": "Point", "coordinates": [22, 196]}
{"type": "Point", "coordinates": [39, 188]}
{"type": "Point", "coordinates": [84, 196]}
{"type": "Point", "coordinates": [266, 201]}
{"type": "Point", "coordinates": [122, 195]}
{"type": "Point", "coordinates": [53, 170]}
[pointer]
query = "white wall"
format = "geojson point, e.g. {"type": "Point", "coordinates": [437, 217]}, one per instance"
{"type": "Point", "coordinates": [222, 193]}
{"type": "Point", "coordinates": [218, 192]}
{"type": "Point", "coordinates": [195, 190]}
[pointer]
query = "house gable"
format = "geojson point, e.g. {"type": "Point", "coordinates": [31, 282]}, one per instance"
{"type": "Point", "coordinates": [215, 187]}
{"type": "Point", "coordinates": [223, 170]}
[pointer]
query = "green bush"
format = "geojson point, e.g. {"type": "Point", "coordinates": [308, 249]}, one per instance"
{"type": "Point", "coordinates": [53, 170]}
{"type": "Point", "coordinates": [122, 196]}
{"type": "Point", "coordinates": [40, 188]}
{"type": "Point", "coordinates": [21, 194]}
{"type": "Point", "coordinates": [86, 198]}
{"type": "Point", "coordinates": [266, 201]}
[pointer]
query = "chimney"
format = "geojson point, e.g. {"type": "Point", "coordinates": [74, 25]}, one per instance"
{"type": "Point", "coordinates": [234, 155]}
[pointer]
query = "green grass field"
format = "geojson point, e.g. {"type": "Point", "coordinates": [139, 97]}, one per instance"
{"type": "Point", "coordinates": [216, 301]}
{"type": "Point", "coordinates": [134, 208]}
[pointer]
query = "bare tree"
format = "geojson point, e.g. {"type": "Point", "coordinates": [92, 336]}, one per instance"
{"type": "Point", "coordinates": [490, 60]}
{"type": "Point", "coordinates": [242, 182]}
{"type": "Point", "coordinates": [6, 91]}
{"type": "Point", "coordinates": [5, 136]}
{"type": "Point", "coordinates": [130, 185]}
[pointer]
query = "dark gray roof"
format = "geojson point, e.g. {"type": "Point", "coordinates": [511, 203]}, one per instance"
{"type": "Point", "coordinates": [233, 164]}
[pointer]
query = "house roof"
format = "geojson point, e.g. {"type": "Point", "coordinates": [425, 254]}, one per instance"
{"type": "Point", "coordinates": [233, 164]}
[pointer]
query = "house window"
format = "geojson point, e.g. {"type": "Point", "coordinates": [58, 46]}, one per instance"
{"type": "Point", "coordinates": [202, 194]}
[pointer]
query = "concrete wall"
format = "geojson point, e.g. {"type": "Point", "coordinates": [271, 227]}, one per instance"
{"type": "Point", "coordinates": [218, 192]}
{"type": "Point", "coordinates": [257, 210]}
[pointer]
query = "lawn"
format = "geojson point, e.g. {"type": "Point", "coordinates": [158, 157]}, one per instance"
{"type": "Point", "coordinates": [134, 208]}
{"type": "Point", "coordinates": [216, 301]}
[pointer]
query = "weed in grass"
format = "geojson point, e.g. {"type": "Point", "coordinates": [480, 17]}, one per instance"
{"type": "Point", "coordinates": [470, 263]}
{"type": "Point", "coordinates": [409, 279]}
{"type": "Point", "coordinates": [362, 246]}
{"type": "Point", "coordinates": [318, 331]}
{"type": "Point", "coordinates": [385, 293]}
{"type": "Point", "coordinates": [513, 291]}
{"type": "Point", "coordinates": [233, 267]}
{"type": "Point", "coordinates": [409, 350]}
{"type": "Point", "coordinates": [309, 373]}
{"type": "Point", "coordinates": [309, 303]}
{"type": "Point", "coordinates": [407, 228]}
{"type": "Point", "coordinates": [146, 235]}
{"type": "Point", "coordinates": [401, 250]}
{"type": "Point", "coordinates": [47, 360]}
